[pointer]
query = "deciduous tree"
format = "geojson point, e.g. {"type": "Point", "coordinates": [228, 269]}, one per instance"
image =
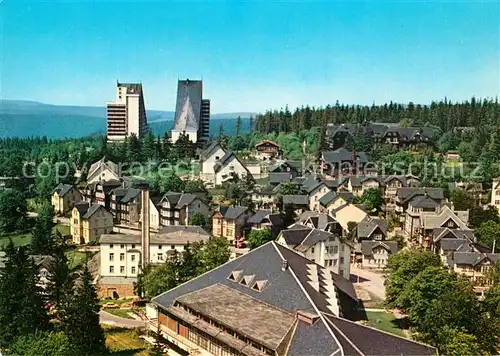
{"type": "Point", "coordinates": [258, 237]}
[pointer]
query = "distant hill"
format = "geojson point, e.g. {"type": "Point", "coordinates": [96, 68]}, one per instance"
{"type": "Point", "coordinates": [22, 118]}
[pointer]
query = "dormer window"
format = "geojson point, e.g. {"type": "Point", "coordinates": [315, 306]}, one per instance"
{"type": "Point", "coordinates": [247, 280]}
{"type": "Point", "coordinates": [259, 285]}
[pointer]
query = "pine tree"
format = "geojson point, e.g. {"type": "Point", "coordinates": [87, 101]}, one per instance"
{"type": "Point", "coordinates": [238, 126]}
{"type": "Point", "coordinates": [42, 230]}
{"type": "Point", "coordinates": [22, 310]}
{"type": "Point", "coordinates": [83, 328]}
{"type": "Point", "coordinates": [147, 147]}
{"type": "Point", "coordinates": [251, 124]}
{"type": "Point", "coordinates": [223, 140]}
{"type": "Point", "coordinates": [59, 275]}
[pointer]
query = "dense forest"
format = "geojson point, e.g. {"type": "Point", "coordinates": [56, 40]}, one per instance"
{"type": "Point", "coordinates": [443, 114]}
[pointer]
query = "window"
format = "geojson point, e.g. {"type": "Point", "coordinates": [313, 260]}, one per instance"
{"type": "Point", "coordinates": [312, 249]}
{"type": "Point", "coordinates": [159, 247]}
{"type": "Point", "coordinates": [342, 248]}
{"type": "Point", "coordinates": [172, 247]}
{"type": "Point", "coordinates": [111, 269]}
{"type": "Point", "coordinates": [231, 168]}
{"type": "Point", "coordinates": [160, 256]}
{"type": "Point", "coordinates": [133, 245]}
{"type": "Point", "coordinates": [132, 270]}
{"type": "Point", "coordinates": [341, 260]}
{"type": "Point", "coordinates": [122, 246]}
{"type": "Point", "coordinates": [335, 249]}
{"type": "Point", "coordinates": [111, 256]}
{"type": "Point", "coordinates": [122, 257]}
{"type": "Point", "coordinates": [335, 262]}
{"type": "Point", "coordinates": [132, 258]}
{"type": "Point", "coordinates": [217, 158]}
{"type": "Point", "coordinates": [122, 269]}
{"type": "Point", "coordinates": [341, 272]}
{"type": "Point", "coordinates": [111, 246]}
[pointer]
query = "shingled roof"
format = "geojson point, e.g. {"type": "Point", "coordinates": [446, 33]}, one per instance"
{"type": "Point", "coordinates": [62, 189]}
{"type": "Point", "coordinates": [290, 285]}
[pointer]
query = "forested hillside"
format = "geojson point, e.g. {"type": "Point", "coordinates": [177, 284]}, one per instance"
{"type": "Point", "coordinates": [443, 114]}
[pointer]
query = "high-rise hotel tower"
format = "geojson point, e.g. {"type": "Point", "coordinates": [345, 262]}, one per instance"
{"type": "Point", "coordinates": [192, 112]}
{"type": "Point", "coordinates": [127, 114]}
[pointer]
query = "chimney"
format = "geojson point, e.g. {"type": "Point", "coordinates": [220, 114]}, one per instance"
{"type": "Point", "coordinates": [284, 265]}
{"type": "Point", "coordinates": [145, 241]}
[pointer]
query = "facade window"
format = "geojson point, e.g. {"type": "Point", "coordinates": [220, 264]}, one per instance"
{"type": "Point", "coordinates": [111, 246]}
{"type": "Point", "coordinates": [132, 258]}
{"type": "Point", "coordinates": [111, 269]}
{"type": "Point", "coordinates": [335, 262]}
{"type": "Point", "coordinates": [312, 249]}
{"type": "Point", "coordinates": [111, 256]}
{"type": "Point", "coordinates": [341, 272]}
{"type": "Point", "coordinates": [341, 260]}
{"type": "Point", "coordinates": [160, 256]}
{"type": "Point", "coordinates": [335, 249]}
{"type": "Point", "coordinates": [122, 246]}
{"type": "Point", "coordinates": [133, 245]}
{"type": "Point", "coordinates": [122, 257]}
{"type": "Point", "coordinates": [132, 270]}
{"type": "Point", "coordinates": [172, 247]}
{"type": "Point", "coordinates": [342, 248]}
{"type": "Point", "coordinates": [159, 247]}
{"type": "Point", "coordinates": [122, 269]}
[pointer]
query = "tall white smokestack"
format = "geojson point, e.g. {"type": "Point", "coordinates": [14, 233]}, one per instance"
{"type": "Point", "coordinates": [144, 187]}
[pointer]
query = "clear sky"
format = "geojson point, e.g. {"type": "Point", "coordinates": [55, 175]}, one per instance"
{"type": "Point", "coordinates": [252, 55]}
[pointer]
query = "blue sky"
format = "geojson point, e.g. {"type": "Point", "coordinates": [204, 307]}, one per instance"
{"type": "Point", "coordinates": [252, 55]}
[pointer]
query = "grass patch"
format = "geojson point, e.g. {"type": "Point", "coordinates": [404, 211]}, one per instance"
{"type": "Point", "coordinates": [63, 229]}
{"type": "Point", "coordinates": [384, 321]}
{"type": "Point", "coordinates": [77, 258]}
{"type": "Point", "coordinates": [122, 313]}
{"type": "Point", "coordinates": [115, 301]}
{"type": "Point", "coordinates": [19, 239]}
{"type": "Point", "coordinates": [124, 342]}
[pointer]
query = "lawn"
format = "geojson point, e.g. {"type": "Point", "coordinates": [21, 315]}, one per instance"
{"type": "Point", "coordinates": [115, 301]}
{"type": "Point", "coordinates": [125, 342]}
{"type": "Point", "coordinates": [20, 239]}
{"type": "Point", "coordinates": [63, 229]}
{"type": "Point", "coordinates": [384, 321]}
{"type": "Point", "coordinates": [77, 258]}
{"type": "Point", "coordinates": [122, 313]}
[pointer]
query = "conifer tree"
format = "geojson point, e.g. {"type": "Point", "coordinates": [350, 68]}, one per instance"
{"type": "Point", "coordinates": [83, 328]}
{"type": "Point", "coordinates": [22, 310]}
{"type": "Point", "coordinates": [238, 126]}
{"type": "Point", "coordinates": [59, 276]}
{"type": "Point", "coordinates": [42, 243]}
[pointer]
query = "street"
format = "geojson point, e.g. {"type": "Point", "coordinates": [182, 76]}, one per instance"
{"type": "Point", "coordinates": [371, 281]}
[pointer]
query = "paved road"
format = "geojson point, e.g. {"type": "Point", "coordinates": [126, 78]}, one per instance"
{"type": "Point", "coordinates": [373, 282]}
{"type": "Point", "coordinates": [110, 319]}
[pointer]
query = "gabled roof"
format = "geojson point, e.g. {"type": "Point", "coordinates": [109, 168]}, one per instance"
{"type": "Point", "coordinates": [232, 212]}
{"type": "Point", "coordinates": [473, 258]}
{"type": "Point", "coordinates": [343, 155]}
{"type": "Point", "coordinates": [296, 235]}
{"type": "Point", "coordinates": [82, 207]}
{"type": "Point", "coordinates": [295, 285]}
{"type": "Point", "coordinates": [368, 225]}
{"type": "Point", "coordinates": [269, 142]}
{"type": "Point", "coordinates": [368, 246]}
{"type": "Point", "coordinates": [442, 232]}
{"type": "Point", "coordinates": [214, 146]}
{"type": "Point", "coordinates": [92, 210]}
{"type": "Point", "coordinates": [450, 244]}
{"type": "Point", "coordinates": [226, 159]}
{"type": "Point", "coordinates": [423, 201]}
{"type": "Point", "coordinates": [283, 165]}
{"type": "Point", "coordinates": [172, 198]}
{"type": "Point", "coordinates": [259, 216]}
{"type": "Point", "coordinates": [132, 193]}
{"type": "Point", "coordinates": [62, 189]}
{"type": "Point", "coordinates": [185, 199]}
{"type": "Point", "coordinates": [434, 221]}
{"type": "Point", "coordinates": [406, 193]}
{"type": "Point", "coordinates": [278, 177]}
{"type": "Point", "coordinates": [103, 163]}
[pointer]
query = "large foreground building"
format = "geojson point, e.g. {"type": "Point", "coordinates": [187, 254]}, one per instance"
{"type": "Point", "coordinates": [270, 301]}
{"type": "Point", "coordinates": [127, 114]}
{"type": "Point", "coordinates": [192, 112]}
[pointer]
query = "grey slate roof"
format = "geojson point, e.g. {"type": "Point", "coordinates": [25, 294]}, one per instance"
{"type": "Point", "coordinates": [62, 189]}
{"type": "Point", "coordinates": [291, 291]}
{"type": "Point", "coordinates": [406, 193]}
{"type": "Point", "coordinates": [91, 210]}
{"type": "Point", "coordinates": [185, 199]}
{"type": "Point", "coordinates": [444, 232]}
{"type": "Point", "coordinates": [448, 244]}
{"type": "Point", "coordinates": [226, 158]}
{"type": "Point", "coordinates": [368, 225]}
{"type": "Point", "coordinates": [210, 149]}
{"type": "Point", "coordinates": [423, 201]}
{"type": "Point", "coordinates": [232, 212]}
{"type": "Point", "coordinates": [132, 193]}
{"type": "Point", "coordinates": [278, 177]}
{"type": "Point", "coordinates": [172, 198]}
{"type": "Point", "coordinates": [473, 258]}
{"type": "Point", "coordinates": [82, 207]}
{"type": "Point", "coordinates": [343, 155]}
{"type": "Point", "coordinates": [296, 235]}
{"type": "Point", "coordinates": [368, 246]}
{"type": "Point", "coordinates": [296, 200]}
{"type": "Point", "coordinates": [259, 216]}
